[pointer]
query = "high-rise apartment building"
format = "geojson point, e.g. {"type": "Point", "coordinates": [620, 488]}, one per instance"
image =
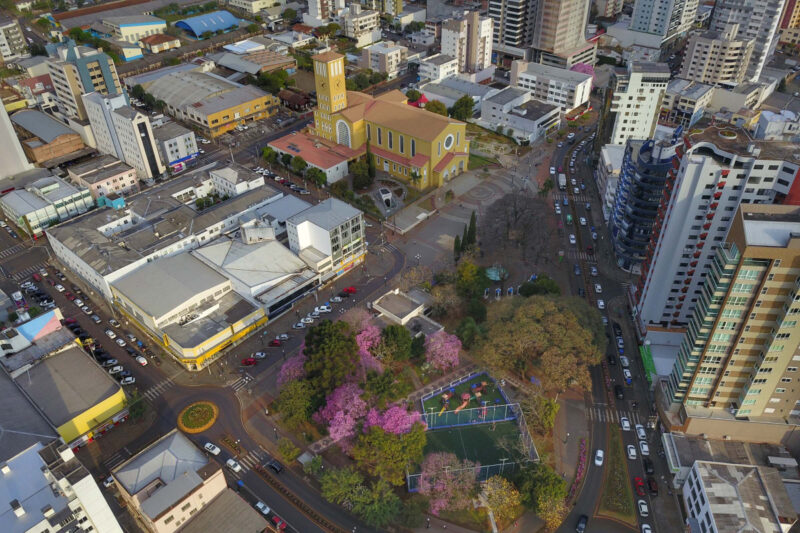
{"type": "Point", "coordinates": [513, 27]}
{"type": "Point", "coordinates": [46, 488]}
{"type": "Point", "coordinates": [717, 170]}
{"type": "Point", "coordinates": [78, 70]}
{"type": "Point", "coordinates": [637, 100]}
{"type": "Point", "coordinates": [717, 57]}
{"type": "Point", "coordinates": [667, 18]}
{"type": "Point", "coordinates": [123, 132]}
{"type": "Point", "coordinates": [469, 40]}
{"type": "Point", "coordinates": [738, 353]}
{"type": "Point", "coordinates": [559, 28]}
{"type": "Point", "coordinates": [609, 8]}
{"type": "Point", "coordinates": [390, 7]}
{"type": "Point", "coordinates": [12, 41]}
{"type": "Point", "coordinates": [758, 21]}
{"type": "Point", "coordinates": [639, 190]}
{"type": "Point", "coordinates": [321, 11]}
{"type": "Point", "coordinates": [790, 22]}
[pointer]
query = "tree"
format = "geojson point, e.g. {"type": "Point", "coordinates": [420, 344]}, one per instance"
{"type": "Point", "coordinates": [286, 159]}
{"type": "Point", "coordinates": [441, 350]}
{"type": "Point", "coordinates": [471, 280]}
{"type": "Point", "coordinates": [397, 341]}
{"type": "Point", "coordinates": [502, 496]}
{"type": "Point", "coordinates": [293, 368]}
{"type": "Point", "coordinates": [467, 332]}
{"type": "Point", "coordinates": [456, 248]}
{"type": "Point", "coordinates": [377, 77]}
{"type": "Point", "coordinates": [542, 285]}
{"type": "Point", "coordinates": [552, 512]}
{"type": "Point", "coordinates": [269, 155]}
{"type": "Point", "coordinates": [413, 95]}
{"type": "Point", "coordinates": [43, 24]}
{"type": "Point", "coordinates": [435, 106]}
{"type": "Point", "coordinates": [346, 398]}
{"type": "Point", "coordinates": [289, 15]}
{"type": "Point", "coordinates": [535, 335]}
{"type": "Point", "coordinates": [332, 356]}
{"type": "Point", "coordinates": [445, 298]}
{"type": "Point", "coordinates": [415, 276]}
{"type": "Point", "coordinates": [137, 91]}
{"type": "Point", "coordinates": [377, 505]}
{"type": "Point", "coordinates": [539, 484]}
{"type": "Point", "coordinates": [361, 80]}
{"type": "Point", "coordinates": [370, 163]}
{"type": "Point", "coordinates": [360, 172]}
{"type": "Point", "coordinates": [449, 482]}
{"type": "Point", "coordinates": [476, 309]}
{"type": "Point", "coordinates": [273, 81]}
{"type": "Point", "coordinates": [472, 230]}
{"type": "Point", "coordinates": [396, 419]}
{"type": "Point", "coordinates": [298, 165]}
{"type": "Point", "coordinates": [207, 34]}
{"type": "Point", "coordinates": [253, 28]}
{"type": "Point", "coordinates": [288, 450]}
{"type": "Point", "coordinates": [340, 484]}
{"type": "Point", "coordinates": [316, 176]}
{"type": "Point", "coordinates": [386, 455]}
{"type": "Point", "coordinates": [463, 108]}
{"type": "Point", "coordinates": [385, 387]}
{"type": "Point", "coordinates": [295, 403]}
{"type": "Point", "coordinates": [414, 26]}
{"type": "Point", "coordinates": [540, 412]}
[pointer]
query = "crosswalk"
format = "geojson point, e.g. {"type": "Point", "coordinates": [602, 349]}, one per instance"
{"type": "Point", "coordinates": [156, 390]}
{"type": "Point", "coordinates": [8, 252]}
{"type": "Point", "coordinates": [581, 199]}
{"type": "Point", "coordinates": [117, 459]}
{"type": "Point", "coordinates": [241, 382]}
{"type": "Point", "coordinates": [581, 256]}
{"type": "Point", "coordinates": [249, 461]}
{"type": "Point", "coordinates": [26, 273]}
{"type": "Point", "coordinates": [611, 415]}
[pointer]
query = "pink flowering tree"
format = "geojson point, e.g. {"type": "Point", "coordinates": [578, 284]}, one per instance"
{"type": "Point", "coordinates": [358, 318]}
{"type": "Point", "coordinates": [344, 399]}
{"type": "Point", "coordinates": [448, 482]}
{"type": "Point", "coordinates": [441, 350]}
{"type": "Point", "coordinates": [369, 337]}
{"type": "Point", "coordinates": [292, 369]}
{"type": "Point", "coordinates": [396, 419]}
{"type": "Point", "coordinates": [343, 426]}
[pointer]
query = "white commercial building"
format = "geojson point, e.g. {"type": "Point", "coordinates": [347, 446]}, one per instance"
{"type": "Point", "coordinates": [521, 117]}
{"type": "Point", "coordinates": [362, 26]}
{"type": "Point", "coordinates": [123, 132]}
{"type": "Point", "coordinates": [469, 40]}
{"type": "Point", "coordinates": [564, 88]}
{"type": "Point", "coordinates": [176, 144]}
{"type": "Point", "coordinates": [321, 11]}
{"type": "Point", "coordinates": [758, 21]}
{"type": "Point", "coordinates": [253, 7]}
{"type": "Point", "coordinates": [329, 237]}
{"type": "Point", "coordinates": [720, 168]}
{"type": "Point", "coordinates": [637, 101]}
{"type": "Point", "coordinates": [133, 28]}
{"type": "Point", "coordinates": [438, 67]}
{"type": "Point", "coordinates": [386, 57]}
{"type": "Point", "coordinates": [46, 488]}
{"type": "Point", "coordinates": [43, 202]}
{"type": "Point", "coordinates": [12, 41]}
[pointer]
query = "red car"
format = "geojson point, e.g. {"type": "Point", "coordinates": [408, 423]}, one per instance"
{"type": "Point", "coordinates": [69, 296]}
{"type": "Point", "coordinates": [349, 290]}
{"type": "Point", "coordinates": [279, 523]}
{"type": "Point", "coordinates": [274, 342]}
{"type": "Point", "coordinates": [249, 361]}
{"type": "Point", "coordinates": [70, 321]}
{"type": "Point", "coordinates": [37, 277]}
{"type": "Point", "coordinates": [638, 484]}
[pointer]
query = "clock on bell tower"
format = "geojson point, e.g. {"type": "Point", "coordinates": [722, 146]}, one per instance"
{"type": "Point", "coordinates": [331, 91]}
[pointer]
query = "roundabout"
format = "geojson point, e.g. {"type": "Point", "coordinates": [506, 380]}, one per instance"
{"type": "Point", "coordinates": [198, 417]}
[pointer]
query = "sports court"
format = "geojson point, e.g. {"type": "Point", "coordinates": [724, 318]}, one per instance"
{"type": "Point", "coordinates": [478, 443]}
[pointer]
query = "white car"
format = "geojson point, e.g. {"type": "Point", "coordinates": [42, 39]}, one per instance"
{"type": "Point", "coordinates": [627, 375]}
{"type": "Point", "coordinates": [110, 334]}
{"type": "Point", "coordinates": [108, 482]}
{"type": "Point", "coordinates": [115, 369]}
{"type": "Point", "coordinates": [299, 325]}
{"type": "Point", "coordinates": [130, 380]}
{"type": "Point", "coordinates": [625, 423]}
{"type": "Point", "coordinates": [640, 432]}
{"type": "Point", "coordinates": [323, 309]}
{"type": "Point", "coordinates": [78, 302]}
{"type": "Point", "coordinates": [141, 360]}
{"type": "Point", "coordinates": [574, 182]}
{"type": "Point", "coordinates": [259, 355]}
{"type": "Point", "coordinates": [644, 447]}
{"type": "Point", "coordinates": [643, 510]}
{"type": "Point", "coordinates": [282, 337]}
{"type": "Point", "coordinates": [582, 221]}
{"type": "Point", "coordinates": [631, 452]}
{"type": "Point", "coordinates": [336, 299]}
{"type": "Point", "coordinates": [558, 210]}
{"type": "Point", "coordinates": [114, 323]}
{"type": "Point", "coordinates": [86, 310]}
{"type": "Point", "coordinates": [646, 528]}
{"type": "Point", "coordinates": [60, 288]}
{"type": "Point", "coordinates": [96, 319]}
{"type": "Point", "coordinates": [598, 288]}
{"type": "Point", "coordinates": [307, 320]}
{"type": "Point", "coordinates": [598, 457]}
{"type": "Point", "coordinates": [601, 304]}
{"type": "Point", "coordinates": [121, 342]}
{"type": "Point", "coordinates": [572, 238]}
{"type": "Point", "coordinates": [624, 361]}
{"type": "Point", "coordinates": [571, 136]}
{"type": "Point", "coordinates": [211, 448]}
{"type": "Point", "coordinates": [263, 507]}
{"type": "Point", "coordinates": [552, 171]}
{"type": "Point", "coordinates": [593, 271]}
{"type": "Point", "coordinates": [233, 465]}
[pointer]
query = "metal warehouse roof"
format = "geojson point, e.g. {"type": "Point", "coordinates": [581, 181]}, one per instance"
{"type": "Point", "coordinates": [217, 20]}
{"type": "Point", "coordinates": [40, 125]}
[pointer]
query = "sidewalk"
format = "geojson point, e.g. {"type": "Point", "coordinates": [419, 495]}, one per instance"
{"type": "Point", "coordinates": [569, 428]}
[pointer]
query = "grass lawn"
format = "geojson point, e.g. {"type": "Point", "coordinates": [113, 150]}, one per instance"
{"type": "Point", "coordinates": [476, 443]}
{"type": "Point", "coordinates": [477, 161]}
{"type": "Point", "coordinates": [490, 394]}
{"type": "Point", "coordinates": [616, 500]}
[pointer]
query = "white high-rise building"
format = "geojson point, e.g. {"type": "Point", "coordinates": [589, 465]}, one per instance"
{"type": "Point", "coordinates": [666, 18]}
{"type": "Point", "coordinates": [47, 489]}
{"type": "Point", "coordinates": [637, 101]}
{"type": "Point", "coordinates": [123, 132]}
{"type": "Point", "coordinates": [719, 169]}
{"type": "Point", "coordinates": [758, 21]}
{"type": "Point", "coordinates": [513, 26]}
{"type": "Point", "coordinates": [321, 11]}
{"type": "Point", "coordinates": [11, 153]}
{"type": "Point", "coordinates": [469, 40]}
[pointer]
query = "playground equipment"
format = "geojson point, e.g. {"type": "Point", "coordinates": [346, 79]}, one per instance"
{"type": "Point", "coordinates": [465, 397]}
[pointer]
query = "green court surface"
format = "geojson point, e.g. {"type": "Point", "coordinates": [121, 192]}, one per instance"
{"type": "Point", "coordinates": [477, 443]}
{"type": "Point", "coordinates": [491, 394]}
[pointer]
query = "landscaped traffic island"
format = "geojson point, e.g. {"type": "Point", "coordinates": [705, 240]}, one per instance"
{"type": "Point", "coordinates": [198, 417]}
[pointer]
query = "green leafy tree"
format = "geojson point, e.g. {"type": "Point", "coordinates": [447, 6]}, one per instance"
{"type": "Point", "coordinates": [418, 348]}
{"type": "Point", "coordinates": [467, 332]}
{"type": "Point", "coordinates": [269, 155]}
{"type": "Point", "coordinates": [288, 450]}
{"type": "Point", "coordinates": [412, 515]}
{"type": "Point", "coordinates": [332, 356]}
{"type": "Point", "coordinates": [538, 485]}
{"type": "Point", "coordinates": [540, 412]}
{"type": "Point", "coordinates": [476, 310]}
{"type": "Point", "coordinates": [386, 455]}
{"type": "Point", "coordinates": [463, 108]}
{"type": "Point", "coordinates": [295, 403]}
{"type": "Point", "coordinates": [137, 91]}
{"type": "Point", "coordinates": [471, 280]}
{"type": "Point", "coordinates": [377, 77]}
{"type": "Point", "coordinates": [286, 159]}
{"type": "Point", "coordinates": [457, 248]}
{"type": "Point", "coordinates": [289, 15]}
{"type": "Point", "coordinates": [370, 163]}
{"type": "Point", "coordinates": [413, 95]}
{"type": "Point", "coordinates": [415, 26]}
{"type": "Point", "coordinates": [339, 485]}
{"type": "Point", "coordinates": [465, 244]}
{"type": "Point", "coordinates": [314, 467]}
{"type": "Point", "coordinates": [207, 34]}
{"type": "Point", "coordinates": [298, 165]}
{"type": "Point", "coordinates": [316, 176]}
{"type": "Point", "coordinates": [386, 387]}
{"type": "Point", "coordinates": [435, 106]}
{"type": "Point", "coordinates": [541, 285]}
{"type": "Point", "coordinates": [361, 80]}
{"type": "Point", "coordinates": [253, 28]}
{"type": "Point", "coordinates": [43, 24]}
{"type": "Point", "coordinates": [377, 505]}
{"type": "Point", "coordinates": [360, 171]}
{"type": "Point", "coordinates": [397, 342]}
{"type": "Point", "coordinates": [502, 496]}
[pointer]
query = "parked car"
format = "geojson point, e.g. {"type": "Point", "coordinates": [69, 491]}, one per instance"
{"type": "Point", "coordinates": [350, 290]}
{"type": "Point", "coordinates": [110, 334]}
{"type": "Point", "coordinates": [581, 525]}
{"type": "Point", "coordinates": [619, 392]}
{"type": "Point", "coordinates": [141, 360]}
{"type": "Point", "coordinates": [298, 325]}
{"type": "Point", "coordinates": [60, 288]}
{"type": "Point", "coordinates": [263, 507]}
{"type": "Point", "coordinates": [627, 375]}
{"type": "Point", "coordinates": [307, 320]}
{"type": "Point", "coordinates": [282, 337]}
{"type": "Point", "coordinates": [109, 362]}
{"type": "Point", "coordinates": [648, 466]}
{"type": "Point", "coordinates": [601, 304]}
{"type": "Point", "coordinates": [624, 361]}
{"type": "Point", "coordinates": [249, 361]}
{"type": "Point", "coordinates": [275, 466]}
{"type": "Point", "coordinates": [233, 465]}
{"type": "Point", "coordinates": [639, 486]}
{"type": "Point", "coordinates": [593, 271]}
{"type": "Point", "coordinates": [211, 448]}
{"type": "Point", "coordinates": [598, 288]}
{"type": "Point", "coordinates": [108, 482]}
{"type": "Point", "coordinates": [114, 323]}
{"type": "Point", "coordinates": [96, 319]}
{"type": "Point", "coordinates": [643, 509]}
{"type": "Point", "coordinates": [336, 299]}
{"type": "Point", "coordinates": [260, 355]}
{"type": "Point", "coordinates": [652, 484]}
{"type": "Point", "coordinates": [121, 342]}
{"type": "Point", "coordinates": [275, 343]}
{"type": "Point", "coordinates": [115, 369]}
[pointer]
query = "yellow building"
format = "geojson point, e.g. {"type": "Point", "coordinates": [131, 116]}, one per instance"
{"type": "Point", "coordinates": [189, 307]}
{"type": "Point", "coordinates": [78, 397]}
{"type": "Point", "coordinates": [417, 146]}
